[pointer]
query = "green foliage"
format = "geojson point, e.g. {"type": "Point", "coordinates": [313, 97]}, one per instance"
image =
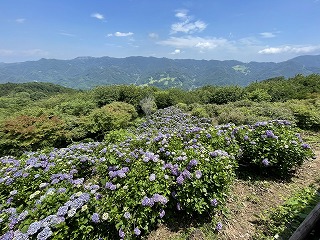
{"type": "Point", "coordinates": [164, 99]}
{"type": "Point", "coordinates": [222, 95]}
{"type": "Point", "coordinates": [283, 220]}
{"type": "Point", "coordinates": [112, 116]}
{"type": "Point", "coordinates": [76, 107]}
{"type": "Point", "coordinates": [259, 95]}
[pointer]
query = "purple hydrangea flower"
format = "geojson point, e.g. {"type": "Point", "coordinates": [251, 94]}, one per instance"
{"type": "Point", "coordinates": [214, 202]}
{"type": "Point", "coordinates": [127, 215]}
{"type": "Point", "coordinates": [219, 226]}
{"type": "Point", "coordinates": [44, 234]}
{"type": "Point", "coordinates": [121, 233]}
{"type": "Point", "coordinates": [180, 179]}
{"type": "Point", "coordinates": [63, 210]}
{"type": "Point", "coordinates": [33, 228]}
{"type": "Point", "coordinates": [198, 174]}
{"type": "Point", "coordinates": [265, 162]}
{"type": "Point", "coordinates": [152, 177]}
{"type": "Point", "coordinates": [162, 213]}
{"type": "Point", "coordinates": [137, 231]}
{"type": "Point", "coordinates": [95, 218]}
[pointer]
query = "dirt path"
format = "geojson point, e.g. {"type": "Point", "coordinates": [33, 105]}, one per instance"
{"type": "Point", "coordinates": [249, 199]}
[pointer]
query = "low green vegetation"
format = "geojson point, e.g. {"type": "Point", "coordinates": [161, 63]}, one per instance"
{"type": "Point", "coordinates": [280, 222]}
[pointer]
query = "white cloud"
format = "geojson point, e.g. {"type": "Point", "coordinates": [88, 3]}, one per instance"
{"type": "Point", "coordinates": [97, 16]}
{"type": "Point", "coordinates": [67, 34]}
{"type": "Point", "coordinates": [20, 20]}
{"type": "Point", "coordinates": [26, 53]}
{"type": "Point", "coordinates": [267, 35]}
{"type": "Point", "coordinates": [153, 35]}
{"type": "Point", "coordinates": [248, 41]}
{"type": "Point", "coordinates": [182, 14]}
{"type": "Point", "coordinates": [195, 42]}
{"type": "Point", "coordinates": [186, 25]}
{"type": "Point", "coordinates": [290, 49]}
{"type": "Point", "coordinates": [120, 34]}
{"type": "Point", "coordinates": [177, 51]}
{"type": "Point", "coordinates": [6, 52]}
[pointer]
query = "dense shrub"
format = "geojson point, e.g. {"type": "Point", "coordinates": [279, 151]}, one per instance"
{"type": "Point", "coordinates": [272, 147]}
{"type": "Point", "coordinates": [27, 133]}
{"type": "Point", "coordinates": [112, 116]}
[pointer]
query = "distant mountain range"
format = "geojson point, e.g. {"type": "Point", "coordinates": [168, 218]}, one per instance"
{"type": "Point", "coordinates": [87, 72]}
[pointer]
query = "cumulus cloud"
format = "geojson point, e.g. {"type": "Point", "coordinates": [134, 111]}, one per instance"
{"type": "Point", "coordinates": [195, 42]}
{"type": "Point", "coordinates": [20, 20]}
{"type": "Point", "coordinates": [177, 51]}
{"type": "Point", "coordinates": [186, 25]}
{"type": "Point", "coordinates": [290, 49]}
{"type": "Point", "coordinates": [267, 35]}
{"type": "Point", "coordinates": [120, 34]}
{"type": "Point", "coordinates": [97, 16]}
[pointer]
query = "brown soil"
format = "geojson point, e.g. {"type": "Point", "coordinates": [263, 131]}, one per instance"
{"type": "Point", "coordinates": [251, 198]}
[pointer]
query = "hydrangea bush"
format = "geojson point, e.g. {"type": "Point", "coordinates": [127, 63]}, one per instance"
{"type": "Point", "coordinates": [273, 147]}
{"type": "Point", "coordinates": [120, 188]}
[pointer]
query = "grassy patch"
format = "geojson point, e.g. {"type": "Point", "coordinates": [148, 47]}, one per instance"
{"type": "Point", "coordinates": [281, 222]}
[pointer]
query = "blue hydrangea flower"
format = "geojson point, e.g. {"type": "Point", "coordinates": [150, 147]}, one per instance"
{"type": "Point", "coordinates": [121, 233]}
{"type": "Point", "coordinates": [219, 226]}
{"type": "Point", "coordinates": [95, 218]}
{"type": "Point", "coordinates": [33, 228]}
{"type": "Point", "coordinates": [137, 231]}
{"type": "Point", "coordinates": [180, 179]}
{"type": "Point", "coordinates": [63, 210]}
{"type": "Point", "coordinates": [214, 202]}
{"type": "Point", "coordinates": [162, 213]}
{"type": "Point", "coordinates": [152, 177]}
{"type": "Point", "coordinates": [44, 234]}
{"type": "Point", "coordinates": [198, 174]}
{"type": "Point", "coordinates": [127, 215]}
{"type": "Point", "coordinates": [265, 162]}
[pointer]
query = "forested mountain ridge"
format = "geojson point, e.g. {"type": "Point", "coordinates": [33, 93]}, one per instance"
{"type": "Point", "coordinates": [87, 72]}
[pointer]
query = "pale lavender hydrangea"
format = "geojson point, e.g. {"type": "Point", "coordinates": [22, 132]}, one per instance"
{"type": "Point", "coordinates": [33, 228]}
{"type": "Point", "coordinates": [198, 174]}
{"type": "Point", "coordinates": [162, 213]}
{"type": "Point", "coordinates": [121, 233]}
{"type": "Point", "coordinates": [95, 218]}
{"type": "Point", "coordinates": [265, 162]}
{"type": "Point", "coordinates": [137, 231]}
{"type": "Point", "coordinates": [152, 177]}
{"type": "Point", "coordinates": [44, 234]}
{"type": "Point", "coordinates": [127, 215]}
{"type": "Point", "coordinates": [219, 226]}
{"type": "Point", "coordinates": [214, 202]}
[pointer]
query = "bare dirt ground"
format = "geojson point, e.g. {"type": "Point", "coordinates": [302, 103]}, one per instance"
{"type": "Point", "coordinates": [249, 199]}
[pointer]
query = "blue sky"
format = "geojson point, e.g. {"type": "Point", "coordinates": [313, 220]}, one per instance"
{"type": "Point", "coordinates": [246, 30]}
